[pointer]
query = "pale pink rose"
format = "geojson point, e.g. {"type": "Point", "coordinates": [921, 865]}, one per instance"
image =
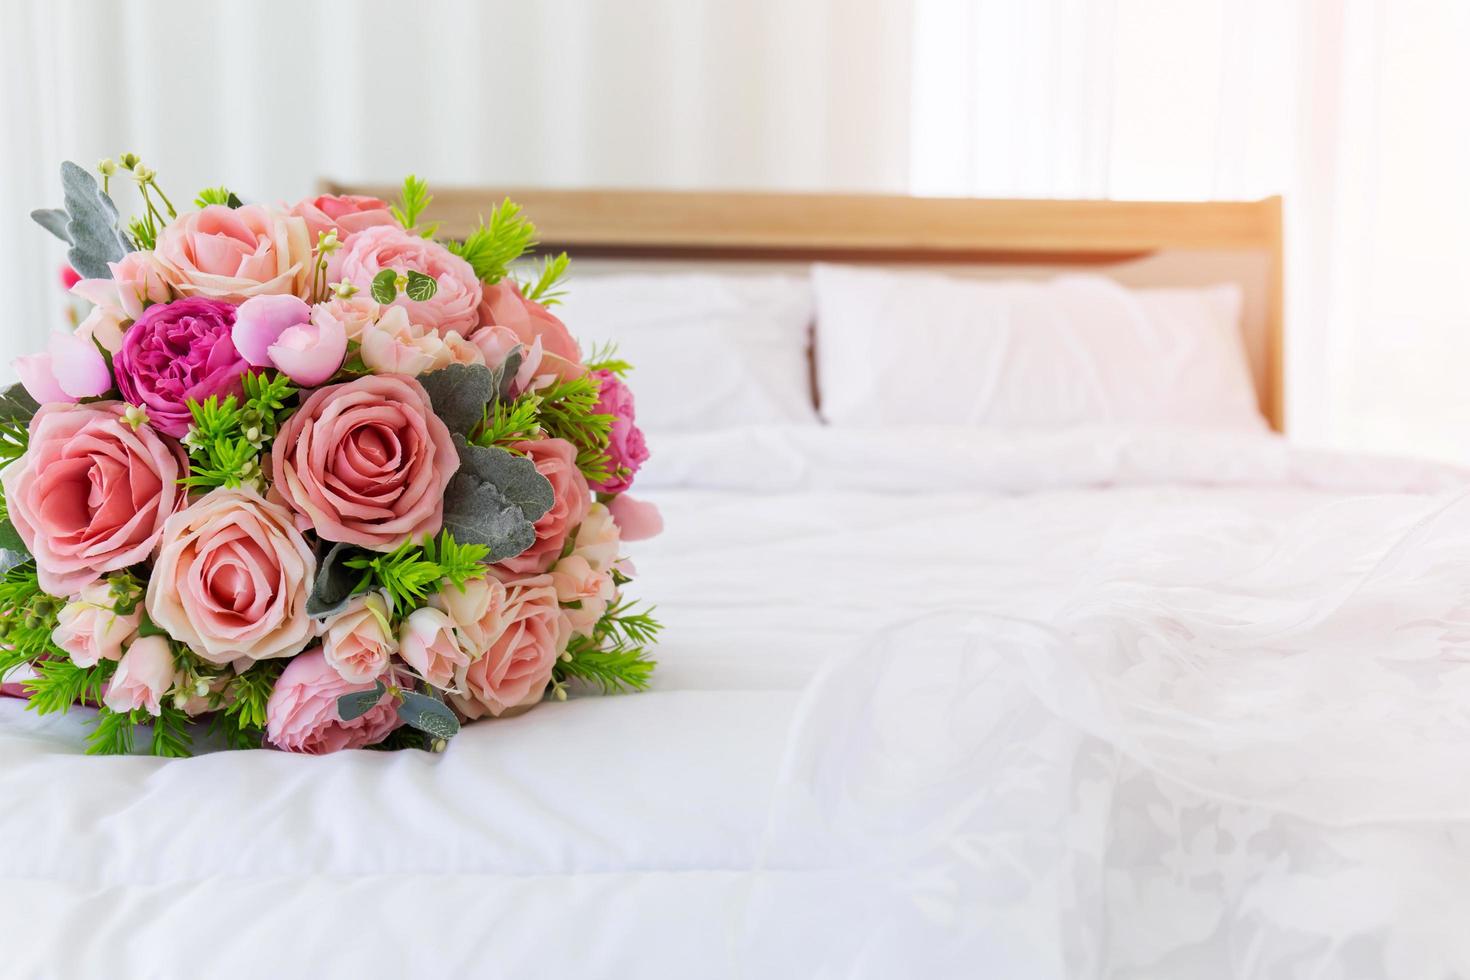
{"type": "Point", "coordinates": [456, 350]}
{"type": "Point", "coordinates": [90, 629]}
{"type": "Point", "coordinates": [637, 519]}
{"type": "Point", "coordinates": [427, 643]}
{"type": "Point", "coordinates": [91, 494]}
{"type": "Point", "coordinates": [555, 459]}
{"type": "Point", "coordinates": [71, 368]}
{"type": "Point", "coordinates": [495, 345]}
{"type": "Point", "coordinates": [345, 214]}
{"type": "Point", "coordinates": [137, 282]}
{"type": "Point", "coordinates": [301, 715]}
{"type": "Point", "coordinates": [394, 345]}
{"type": "Point", "coordinates": [366, 462]}
{"type": "Point", "coordinates": [454, 305]}
{"type": "Point", "coordinates": [358, 642]}
{"type": "Point", "coordinates": [477, 611]}
{"type": "Point", "coordinates": [260, 321]}
{"type": "Point", "coordinates": [143, 676]}
{"type": "Point", "coordinates": [516, 668]}
{"type": "Point", "coordinates": [233, 254]}
{"type": "Point", "coordinates": [597, 539]}
{"type": "Point", "coordinates": [103, 326]}
{"type": "Point", "coordinates": [583, 592]}
{"type": "Point", "coordinates": [354, 314]}
{"type": "Point", "coordinates": [504, 306]}
{"type": "Point", "coordinates": [232, 578]}
{"type": "Point", "coordinates": [310, 353]}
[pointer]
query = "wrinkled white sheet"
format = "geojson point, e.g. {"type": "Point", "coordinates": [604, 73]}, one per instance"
{"type": "Point", "coordinates": [934, 704]}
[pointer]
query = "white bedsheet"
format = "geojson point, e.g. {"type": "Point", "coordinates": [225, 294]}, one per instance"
{"type": "Point", "coordinates": [1094, 703]}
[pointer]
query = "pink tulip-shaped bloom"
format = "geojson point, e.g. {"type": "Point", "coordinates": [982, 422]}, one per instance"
{"type": "Point", "coordinates": [232, 254]}
{"type": "Point", "coordinates": [365, 462]}
{"type": "Point", "coordinates": [637, 519]}
{"type": "Point", "coordinates": [143, 676]}
{"type": "Point", "coordinates": [455, 303]}
{"type": "Point", "coordinates": [358, 642]}
{"type": "Point", "coordinates": [301, 715]}
{"type": "Point", "coordinates": [70, 369]}
{"type": "Point", "coordinates": [91, 493]}
{"type": "Point", "coordinates": [427, 643]}
{"type": "Point", "coordinates": [90, 629]}
{"type": "Point", "coordinates": [346, 214]}
{"type": "Point", "coordinates": [516, 668]}
{"type": "Point", "coordinates": [280, 332]}
{"type": "Point", "coordinates": [177, 352]}
{"type": "Point", "coordinates": [232, 578]}
{"type": "Point", "coordinates": [555, 459]}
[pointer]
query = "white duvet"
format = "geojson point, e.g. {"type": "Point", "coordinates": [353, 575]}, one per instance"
{"type": "Point", "coordinates": [930, 704]}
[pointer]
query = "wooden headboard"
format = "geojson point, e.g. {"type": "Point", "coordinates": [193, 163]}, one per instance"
{"type": "Point", "coordinates": [725, 226]}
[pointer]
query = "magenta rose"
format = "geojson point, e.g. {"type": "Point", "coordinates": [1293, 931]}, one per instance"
{"type": "Point", "coordinates": [178, 351]}
{"type": "Point", "coordinates": [515, 668]}
{"type": "Point", "coordinates": [366, 462]}
{"type": "Point", "coordinates": [301, 715]}
{"type": "Point", "coordinates": [91, 494]}
{"type": "Point", "coordinates": [346, 214]}
{"type": "Point", "coordinates": [555, 459]}
{"type": "Point", "coordinates": [454, 305]}
{"type": "Point", "coordinates": [625, 445]}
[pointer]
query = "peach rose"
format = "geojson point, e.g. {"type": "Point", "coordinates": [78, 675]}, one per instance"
{"type": "Point", "coordinates": [583, 592]}
{"type": "Point", "coordinates": [555, 459]}
{"type": "Point", "coordinates": [91, 494]}
{"type": "Point", "coordinates": [143, 676]}
{"type": "Point", "coordinates": [366, 462]}
{"type": "Point", "coordinates": [597, 538]}
{"type": "Point", "coordinates": [516, 668]}
{"type": "Point", "coordinates": [353, 314]}
{"type": "Point", "coordinates": [505, 306]}
{"type": "Point", "coordinates": [477, 611]}
{"type": "Point", "coordinates": [90, 629]}
{"type": "Point", "coordinates": [234, 254]}
{"type": "Point", "coordinates": [427, 643]}
{"type": "Point", "coordinates": [393, 345]}
{"type": "Point", "coordinates": [232, 579]}
{"type": "Point", "coordinates": [345, 214]}
{"type": "Point", "coordinates": [358, 642]}
{"type": "Point", "coordinates": [454, 305]}
{"type": "Point", "coordinates": [301, 715]}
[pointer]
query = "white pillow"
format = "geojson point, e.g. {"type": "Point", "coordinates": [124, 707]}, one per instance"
{"type": "Point", "coordinates": [913, 347]}
{"type": "Point", "coordinates": [708, 351]}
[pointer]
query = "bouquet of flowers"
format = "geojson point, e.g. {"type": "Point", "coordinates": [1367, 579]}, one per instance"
{"type": "Point", "coordinates": [311, 478]}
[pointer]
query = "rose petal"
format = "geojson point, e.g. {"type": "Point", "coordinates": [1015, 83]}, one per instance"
{"type": "Point", "coordinates": [309, 353]}
{"type": "Point", "coordinates": [36, 374]}
{"type": "Point", "coordinates": [637, 519]}
{"type": "Point", "coordinates": [78, 366]}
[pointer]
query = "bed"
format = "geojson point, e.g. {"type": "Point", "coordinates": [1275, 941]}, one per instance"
{"type": "Point", "coordinates": [1101, 699]}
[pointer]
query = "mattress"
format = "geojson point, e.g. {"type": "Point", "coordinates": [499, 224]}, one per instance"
{"type": "Point", "coordinates": [939, 703]}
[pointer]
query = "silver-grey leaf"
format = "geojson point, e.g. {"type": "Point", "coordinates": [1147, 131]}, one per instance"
{"type": "Point", "coordinates": [478, 513]}
{"type": "Point", "coordinates": [334, 584]}
{"type": "Point", "coordinates": [428, 715]}
{"type": "Point", "coordinates": [91, 225]}
{"type": "Point", "coordinates": [459, 394]}
{"type": "Point", "coordinates": [9, 559]}
{"type": "Point", "coordinates": [16, 404]}
{"type": "Point", "coordinates": [504, 375]}
{"type": "Point", "coordinates": [514, 476]}
{"type": "Point", "coordinates": [53, 220]}
{"type": "Point", "coordinates": [359, 703]}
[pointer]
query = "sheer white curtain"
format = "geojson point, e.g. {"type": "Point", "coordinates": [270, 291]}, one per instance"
{"type": "Point", "coordinates": [1350, 108]}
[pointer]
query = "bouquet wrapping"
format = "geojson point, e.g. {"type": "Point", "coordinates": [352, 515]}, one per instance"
{"type": "Point", "coordinates": [305, 477]}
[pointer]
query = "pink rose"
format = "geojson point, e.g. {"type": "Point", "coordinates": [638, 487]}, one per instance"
{"type": "Point", "coordinates": [454, 306]}
{"type": "Point", "coordinates": [301, 715]}
{"type": "Point", "coordinates": [137, 282]}
{"type": "Point", "coordinates": [354, 314]}
{"type": "Point", "coordinates": [393, 345]}
{"type": "Point", "coordinates": [91, 494]}
{"type": "Point", "coordinates": [143, 676]}
{"type": "Point", "coordinates": [232, 254]}
{"type": "Point", "coordinates": [637, 519]}
{"type": "Point", "coordinates": [177, 352]}
{"type": "Point", "coordinates": [597, 538]}
{"type": "Point", "coordinates": [70, 369]}
{"type": "Point", "coordinates": [477, 612]}
{"type": "Point", "coordinates": [583, 592]}
{"type": "Point", "coordinates": [345, 214]}
{"type": "Point", "coordinates": [232, 578]}
{"type": "Point", "coordinates": [555, 459]}
{"type": "Point", "coordinates": [625, 443]}
{"type": "Point", "coordinates": [366, 462]}
{"type": "Point", "coordinates": [505, 306]}
{"type": "Point", "coordinates": [516, 668]}
{"type": "Point", "coordinates": [427, 643]}
{"type": "Point", "coordinates": [90, 629]}
{"type": "Point", "coordinates": [358, 642]}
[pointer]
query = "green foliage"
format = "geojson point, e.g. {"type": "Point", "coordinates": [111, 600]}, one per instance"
{"type": "Point", "coordinates": [604, 357]}
{"type": "Point", "coordinates": [384, 287]}
{"type": "Point", "coordinates": [544, 290]}
{"type": "Point", "coordinates": [507, 423]}
{"type": "Point", "coordinates": [410, 572]}
{"type": "Point", "coordinates": [15, 438]}
{"type": "Point", "coordinates": [113, 733]}
{"type": "Point", "coordinates": [228, 437]}
{"type": "Point", "coordinates": [245, 698]}
{"type": "Point", "coordinates": [492, 247]}
{"type": "Point", "coordinates": [59, 684]}
{"type": "Point", "coordinates": [412, 201]}
{"type": "Point", "coordinates": [143, 234]}
{"type": "Point", "coordinates": [27, 617]}
{"type": "Point", "coordinates": [615, 658]}
{"type": "Point", "coordinates": [566, 412]}
{"type": "Point", "coordinates": [420, 288]}
{"type": "Point", "coordinates": [217, 195]}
